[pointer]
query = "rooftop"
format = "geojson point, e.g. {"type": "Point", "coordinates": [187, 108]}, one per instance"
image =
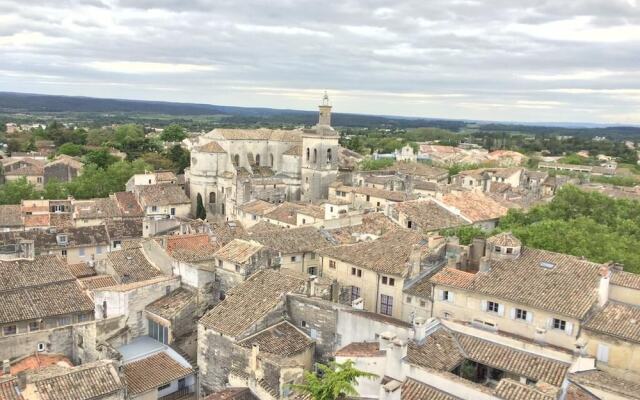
{"type": "Point", "coordinates": [414, 390]}
{"type": "Point", "coordinates": [238, 251]}
{"type": "Point", "coordinates": [88, 381]}
{"type": "Point", "coordinates": [361, 349]}
{"type": "Point", "coordinates": [294, 240]}
{"type": "Point", "coordinates": [616, 319]}
{"type": "Point", "coordinates": [168, 306]}
{"type": "Point", "coordinates": [607, 382]}
{"type": "Point", "coordinates": [190, 248]}
{"type": "Point", "coordinates": [151, 372]}
{"type": "Point", "coordinates": [282, 339]}
{"type": "Point", "coordinates": [258, 207]}
{"type": "Point", "coordinates": [161, 195]}
{"type": "Point", "coordinates": [132, 266]}
{"type": "Point", "coordinates": [474, 206]}
{"type": "Point", "coordinates": [428, 215]}
{"type": "Point", "coordinates": [250, 301]}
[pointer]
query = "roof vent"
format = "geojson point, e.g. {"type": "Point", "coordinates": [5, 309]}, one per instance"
{"type": "Point", "coordinates": [547, 264]}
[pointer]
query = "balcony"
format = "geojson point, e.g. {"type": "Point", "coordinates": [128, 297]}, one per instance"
{"type": "Point", "coordinates": [185, 393]}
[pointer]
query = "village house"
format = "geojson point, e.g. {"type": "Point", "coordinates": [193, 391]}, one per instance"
{"type": "Point", "coordinates": [163, 201]}
{"type": "Point", "coordinates": [374, 272]}
{"type": "Point", "coordinates": [251, 213]}
{"type": "Point", "coordinates": [62, 169]}
{"type": "Point", "coordinates": [237, 260]}
{"type": "Point", "coordinates": [424, 215]}
{"type": "Point", "coordinates": [366, 197]}
{"type": "Point", "coordinates": [172, 316]}
{"type": "Point", "coordinates": [28, 168]}
{"type": "Point", "coordinates": [477, 208]}
{"type": "Point", "coordinates": [31, 322]}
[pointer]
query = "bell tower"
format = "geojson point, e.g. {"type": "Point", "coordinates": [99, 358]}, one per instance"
{"type": "Point", "coordinates": [325, 111]}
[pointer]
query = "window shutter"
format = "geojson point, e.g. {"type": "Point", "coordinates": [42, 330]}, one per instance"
{"type": "Point", "coordinates": [603, 353]}
{"type": "Point", "coordinates": [569, 328]}
{"type": "Point", "coordinates": [483, 305]}
{"type": "Point", "coordinates": [549, 323]}
{"type": "Point", "coordinates": [513, 313]}
{"type": "Point", "coordinates": [440, 294]}
{"type": "Point", "coordinates": [501, 310]}
{"type": "Point", "coordinates": [451, 297]}
{"type": "Point", "coordinates": [529, 317]}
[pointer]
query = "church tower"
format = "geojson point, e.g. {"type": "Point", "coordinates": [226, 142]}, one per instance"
{"type": "Point", "coordinates": [319, 156]}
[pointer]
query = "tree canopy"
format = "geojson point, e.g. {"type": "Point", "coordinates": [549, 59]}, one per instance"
{"type": "Point", "coordinates": [173, 133]}
{"type": "Point", "coordinates": [334, 381]}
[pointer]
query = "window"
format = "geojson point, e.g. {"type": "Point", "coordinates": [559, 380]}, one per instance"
{"type": "Point", "coordinates": [167, 289]}
{"type": "Point", "coordinates": [497, 249]}
{"type": "Point", "coordinates": [39, 179]}
{"type": "Point", "coordinates": [447, 295]}
{"type": "Point", "coordinates": [163, 387]}
{"type": "Point", "coordinates": [388, 281]}
{"type": "Point", "coordinates": [9, 330]}
{"type": "Point", "coordinates": [99, 250]}
{"type": "Point", "coordinates": [356, 272]}
{"type": "Point", "coordinates": [104, 309]}
{"type": "Point", "coordinates": [294, 258]}
{"type": "Point", "coordinates": [303, 324]}
{"type": "Point", "coordinates": [509, 250]}
{"type": "Point", "coordinates": [559, 324]}
{"type": "Point", "coordinates": [308, 153]}
{"type": "Point", "coordinates": [493, 306]}
{"type": "Point", "coordinates": [386, 304]}
{"type": "Point", "coordinates": [154, 208]}
{"type": "Point", "coordinates": [304, 221]}
{"type": "Point", "coordinates": [64, 321]}
{"type": "Point", "coordinates": [254, 217]}
{"type": "Point", "coordinates": [423, 303]}
{"type": "Point", "coordinates": [312, 271]}
{"type": "Point", "coordinates": [34, 326]}
{"type": "Point", "coordinates": [332, 264]}
{"type": "Point", "coordinates": [83, 318]}
{"type": "Point", "coordinates": [173, 211]}
{"type": "Point", "coordinates": [64, 253]}
{"type": "Point", "coordinates": [328, 156]}
{"type": "Point", "coordinates": [408, 299]}
{"type": "Point", "coordinates": [313, 256]}
{"type": "Point", "coordinates": [521, 314]}
{"type": "Point", "coordinates": [237, 268]}
{"type": "Point", "coordinates": [602, 353]}
{"type": "Point", "coordinates": [117, 244]}
{"type": "Point", "coordinates": [81, 251]}
{"type": "Point", "coordinates": [315, 155]}
{"type": "Point", "coordinates": [159, 332]}
{"type": "Point", "coordinates": [355, 292]}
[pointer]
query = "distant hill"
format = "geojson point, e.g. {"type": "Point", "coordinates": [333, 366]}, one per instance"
{"type": "Point", "coordinates": [37, 103]}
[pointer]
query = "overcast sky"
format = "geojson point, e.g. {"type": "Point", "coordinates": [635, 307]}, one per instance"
{"type": "Point", "coordinates": [525, 60]}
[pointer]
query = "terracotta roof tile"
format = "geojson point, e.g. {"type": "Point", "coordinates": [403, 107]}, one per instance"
{"type": "Point", "coordinates": [607, 382]}
{"type": "Point", "coordinates": [132, 266]}
{"type": "Point", "coordinates": [282, 339]}
{"type": "Point", "coordinates": [258, 207]}
{"type": "Point", "coordinates": [377, 192]}
{"type": "Point", "coordinates": [428, 215]}
{"type": "Point", "coordinates": [238, 251]}
{"type": "Point", "coordinates": [454, 278]}
{"type": "Point", "coordinates": [161, 195]}
{"type": "Point", "coordinates": [11, 215]}
{"type": "Point", "coordinates": [616, 319]}
{"type": "Point", "coordinates": [414, 390]}
{"type": "Point", "coordinates": [81, 270]}
{"type": "Point", "coordinates": [508, 389]}
{"type": "Point", "coordinates": [361, 349]}
{"type": "Point", "coordinates": [474, 206]}
{"type": "Point", "coordinates": [167, 306]}
{"type": "Point", "coordinates": [626, 279]}
{"type": "Point", "coordinates": [98, 282]}
{"type": "Point", "coordinates": [152, 372]}
{"type": "Point", "coordinates": [211, 147]}
{"type": "Point", "coordinates": [9, 389]}
{"type": "Point", "coordinates": [190, 248]}
{"type": "Point", "coordinates": [294, 240]}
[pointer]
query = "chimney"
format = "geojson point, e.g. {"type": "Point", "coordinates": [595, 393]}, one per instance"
{"type": "Point", "coordinates": [485, 265]}
{"type": "Point", "coordinates": [603, 287]}
{"type": "Point", "coordinates": [419, 329]}
{"type": "Point", "coordinates": [253, 361]}
{"type": "Point", "coordinates": [22, 380]}
{"type": "Point", "coordinates": [414, 261]}
{"type": "Point", "coordinates": [6, 367]}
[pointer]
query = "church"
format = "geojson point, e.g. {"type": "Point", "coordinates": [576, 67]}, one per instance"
{"type": "Point", "coordinates": [230, 167]}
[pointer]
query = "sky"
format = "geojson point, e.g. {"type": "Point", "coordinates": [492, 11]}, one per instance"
{"type": "Point", "coordinates": [501, 60]}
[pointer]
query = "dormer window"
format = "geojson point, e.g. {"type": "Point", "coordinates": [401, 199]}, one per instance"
{"type": "Point", "coordinates": [61, 239]}
{"type": "Point", "coordinates": [497, 249]}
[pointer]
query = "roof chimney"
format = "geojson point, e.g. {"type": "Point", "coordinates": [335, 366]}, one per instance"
{"type": "Point", "coordinates": [419, 329]}
{"type": "Point", "coordinates": [603, 287]}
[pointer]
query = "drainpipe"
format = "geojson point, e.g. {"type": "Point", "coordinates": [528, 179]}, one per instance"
{"type": "Point", "coordinates": [377, 290]}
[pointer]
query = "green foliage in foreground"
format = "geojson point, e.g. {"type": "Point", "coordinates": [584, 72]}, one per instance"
{"type": "Point", "coordinates": [334, 381]}
{"type": "Point", "coordinates": [581, 223]}
{"type": "Point", "coordinates": [616, 180]}
{"type": "Point", "coordinates": [465, 234]}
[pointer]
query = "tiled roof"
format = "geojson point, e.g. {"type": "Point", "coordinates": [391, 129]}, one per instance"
{"type": "Point", "coordinates": [211, 147]}
{"type": "Point", "coordinates": [98, 282]}
{"type": "Point", "coordinates": [257, 134]}
{"type": "Point", "coordinates": [282, 339]}
{"type": "Point", "coordinates": [10, 215]}
{"type": "Point", "coordinates": [626, 279]}
{"type": "Point", "coordinates": [264, 226]}
{"type": "Point", "coordinates": [39, 271]}
{"type": "Point", "coordinates": [36, 361]}
{"type": "Point", "coordinates": [124, 228]}
{"type": "Point", "coordinates": [379, 317]}
{"type": "Point", "coordinates": [567, 288]}
{"type": "Point", "coordinates": [238, 251]}
{"type": "Point", "coordinates": [232, 393]}
{"type": "Point", "coordinates": [26, 170]}
{"type": "Point", "coordinates": [251, 300]}
{"type": "Point", "coordinates": [295, 150]}
{"type": "Point", "coordinates": [377, 192]}
{"type": "Point", "coordinates": [542, 279]}
{"type": "Point", "coordinates": [61, 220]}
{"type": "Point", "coordinates": [429, 215]}
{"type": "Point", "coordinates": [419, 169]}
{"type": "Point", "coordinates": [414, 390]}
{"type": "Point", "coordinates": [286, 212]}
{"type": "Point", "coordinates": [48, 300]}
{"type": "Point", "coordinates": [153, 371]}
{"type": "Point", "coordinates": [474, 206]}
{"type": "Point", "coordinates": [258, 207]}
{"type": "Point", "coordinates": [361, 349]}
{"type": "Point", "coordinates": [445, 349]}
{"type": "Point", "coordinates": [128, 204]}
{"type": "Point", "coordinates": [96, 208]}
{"type": "Point", "coordinates": [67, 160]}
{"type": "Point", "coordinates": [81, 270]}
{"type": "Point", "coordinates": [387, 254]}
{"type": "Point", "coordinates": [161, 195]}
{"type": "Point", "coordinates": [167, 306]}
{"type": "Point", "coordinates": [48, 239]}
{"type": "Point", "coordinates": [372, 223]}
{"type": "Point", "coordinates": [224, 232]}
{"type": "Point", "coordinates": [576, 392]}
{"type": "Point", "coordinates": [165, 176]}
{"type": "Point", "coordinates": [454, 278]}
{"type": "Point", "coordinates": [294, 240]}
{"type": "Point", "coordinates": [190, 248]}
{"type": "Point", "coordinates": [36, 220]}
{"type": "Point", "coordinates": [132, 266]}
{"type": "Point", "coordinates": [421, 287]}
{"type": "Point", "coordinates": [505, 239]}
{"type": "Point", "coordinates": [89, 381]}
{"type": "Point", "coordinates": [616, 319]}
{"type": "Point", "coordinates": [508, 389]}
{"type": "Point", "coordinates": [9, 389]}
{"type": "Point", "coordinates": [607, 382]}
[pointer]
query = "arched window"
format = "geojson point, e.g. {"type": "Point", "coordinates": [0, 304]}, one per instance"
{"type": "Point", "coordinates": [258, 160]}
{"type": "Point", "coordinates": [236, 160]}
{"type": "Point", "coordinates": [271, 160]}
{"type": "Point", "coordinates": [308, 153]}
{"type": "Point", "coordinates": [212, 197]}
{"type": "Point", "coordinates": [315, 155]}
{"type": "Point", "coordinates": [328, 156]}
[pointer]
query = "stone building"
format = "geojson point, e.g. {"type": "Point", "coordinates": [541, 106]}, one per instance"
{"type": "Point", "coordinates": [230, 167]}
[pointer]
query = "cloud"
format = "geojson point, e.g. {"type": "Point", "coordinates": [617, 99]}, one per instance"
{"type": "Point", "coordinates": [530, 60]}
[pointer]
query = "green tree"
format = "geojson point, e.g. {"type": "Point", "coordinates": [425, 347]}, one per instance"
{"type": "Point", "coordinates": [13, 192]}
{"type": "Point", "coordinates": [157, 161]}
{"type": "Point", "coordinates": [465, 234]}
{"type": "Point", "coordinates": [370, 164]}
{"type": "Point", "coordinates": [180, 158]}
{"type": "Point", "coordinates": [201, 213]}
{"type": "Point", "coordinates": [55, 189]}
{"type": "Point", "coordinates": [334, 381]}
{"type": "Point", "coordinates": [102, 158]}
{"type": "Point", "coordinates": [71, 149]}
{"type": "Point", "coordinates": [173, 133]}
